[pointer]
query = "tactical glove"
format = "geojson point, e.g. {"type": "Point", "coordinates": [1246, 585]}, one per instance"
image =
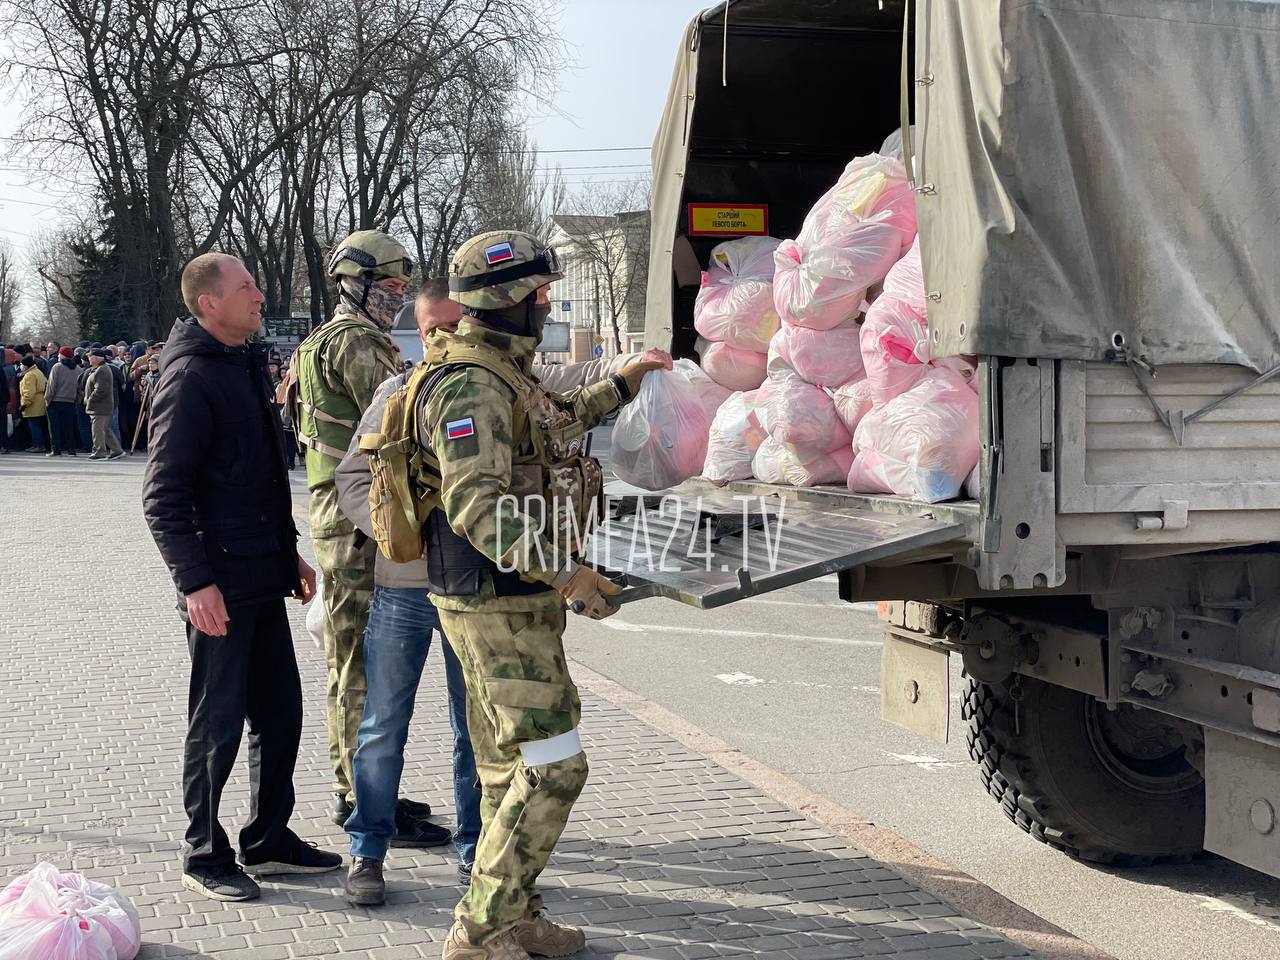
{"type": "Point", "coordinates": [587, 592]}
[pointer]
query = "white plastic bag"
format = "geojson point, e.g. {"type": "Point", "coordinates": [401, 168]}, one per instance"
{"type": "Point", "coordinates": [853, 401]}
{"type": "Point", "coordinates": [315, 613]}
{"type": "Point", "coordinates": [732, 368]}
{"type": "Point", "coordinates": [905, 280]}
{"type": "Point", "coordinates": [732, 441]}
{"type": "Point", "coordinates": [827, 358]}
{"type": "Point", "coordinates": [735, 304]}
{"type": "Point", "coordinates": [803, 419]}
{"type": "Point", "coordinates": [66, 916]}
{"type": "Point", "coordinates": [825, 285]}
{"type": "Point", "coordinates": [660, 437]}
{"type": "Point", "coordinates": [895, 348]}
{"type": "Point", "coordinates": [922, 444]}
{"type": "Point", "coordinates": [774, 463]}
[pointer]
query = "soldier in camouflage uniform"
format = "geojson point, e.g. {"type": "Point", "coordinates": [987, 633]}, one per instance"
{"type": "Point", "coordinates": [501, 583]}
{"type": "Point", "coordinates": [339, 368]}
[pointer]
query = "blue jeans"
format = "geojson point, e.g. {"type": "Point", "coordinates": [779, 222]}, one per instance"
{"type": "Point", "coordinates": [36, 426]}
{"type": "Point", "coordinates": [115, 423]}
{"type": "Point", "coordinates": [396, 641]}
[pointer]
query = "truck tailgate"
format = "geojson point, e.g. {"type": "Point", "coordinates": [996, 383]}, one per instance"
{"type": "Point", "coordinates": [710, 549]}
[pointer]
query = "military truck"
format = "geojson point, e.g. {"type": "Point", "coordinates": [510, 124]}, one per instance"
{"type": "Point", "coordinates": [1100, 226]}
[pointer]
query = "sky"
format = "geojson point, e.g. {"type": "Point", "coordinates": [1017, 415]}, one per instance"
{"type": "Point", "coordinates": [621, 53]}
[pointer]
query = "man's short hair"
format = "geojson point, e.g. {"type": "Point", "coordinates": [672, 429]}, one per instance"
{"type": "Point", "coordinates": [434, 289]}
{"type": "Point", "coordinates": [203, 275]}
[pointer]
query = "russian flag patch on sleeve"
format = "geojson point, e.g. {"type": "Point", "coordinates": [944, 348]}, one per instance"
{"type": "Point", "coordinates": [458, 429]}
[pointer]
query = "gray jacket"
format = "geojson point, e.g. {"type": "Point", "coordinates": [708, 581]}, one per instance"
{"type": "Point", "coordinates": [353, 479]}
{"type": "Point", "coordinates": [62, 383]}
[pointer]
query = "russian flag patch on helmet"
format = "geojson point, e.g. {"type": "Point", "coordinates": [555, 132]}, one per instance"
{"type": "Point", "coordinates": [457, 429]}
{"type": "Point", "coordinates": [499, 253]}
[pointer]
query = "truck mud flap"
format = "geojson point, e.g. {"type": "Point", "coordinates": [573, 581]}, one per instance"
{"type": "Point", "coordinates": [720, 547]}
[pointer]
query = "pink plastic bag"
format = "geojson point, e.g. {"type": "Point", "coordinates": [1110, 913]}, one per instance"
{"type": "Point", "coordinates": [922, 444]}
{"type": "Point", "coordinates": [895, 348]}
{"type": "Point", "coordinates": [802, 418]}
{"type": "Point", "coordinates": [733, 368]}
{"type": "Point", "coordinates": [67, 912]}
{"type": "Point", "coordinates": [827, 358]}
{"type": "Point", "coordinates": [871, 186]}
{"type": "Point", "coordinates": [735, 304]}
{"type": "Point", "coordinates": [774, 463]}
{"type": "Point", "coordinates": [733, 441]}
{"type": "Point", "coordinates": [905, 280]}
{"type": "Point", "coordinates": [825, 285]}
{"type": "Point", "coordinates": [660, 438]}
{"type": "Point", "coordinates": [853, 401]}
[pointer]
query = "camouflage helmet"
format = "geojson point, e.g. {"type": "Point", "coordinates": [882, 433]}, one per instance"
{"type": "Point", "coordinates": [370, 253]}
{"type": "Point", "coordinates": [500, 269]}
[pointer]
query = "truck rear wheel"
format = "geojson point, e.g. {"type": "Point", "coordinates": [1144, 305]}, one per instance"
{"type": "Point", "coordinates": [1111, 787]}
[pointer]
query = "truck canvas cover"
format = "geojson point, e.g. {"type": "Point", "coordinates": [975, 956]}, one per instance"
{"type": "Point", "coordinates": [1094, 167]}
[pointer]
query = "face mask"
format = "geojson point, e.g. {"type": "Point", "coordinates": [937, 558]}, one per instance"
{"type": "Point", "coordinates": [380, 304]}
{"type": "Point", "coordinates": [540, 313]}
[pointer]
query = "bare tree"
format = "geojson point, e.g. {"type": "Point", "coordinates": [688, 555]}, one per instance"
{"type": "Point", "coordinates": [10, 291]}
{"type": "Point", "coordinates": [51, 266]}
{"type": "Point", "coordinates": [608, 228]}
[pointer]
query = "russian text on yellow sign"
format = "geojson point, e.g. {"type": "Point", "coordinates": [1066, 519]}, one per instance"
{"type": "Point", "coordinates": [737, 220]}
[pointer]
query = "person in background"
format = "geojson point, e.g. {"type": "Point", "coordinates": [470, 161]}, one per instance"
{"type": "Point", "coordinates": [146, 388]}
{"type": "Point", "coordinates": [31, 402]}
{"type": "Point", "coordinates": [84, 426]}
{"type": "Point", "coordinates": [60, 397]}
{"type": "Point", "coordinates": [36, 350]}
{"type": "Point", "coordinates": [100, 402]}
{"type": "Point", "coordinates": [277, 405]}
{"type": "Point", "coordinates": [216, 498]}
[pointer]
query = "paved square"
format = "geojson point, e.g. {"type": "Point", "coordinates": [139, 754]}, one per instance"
{"type": "Point", "coordinates": [667, 855]}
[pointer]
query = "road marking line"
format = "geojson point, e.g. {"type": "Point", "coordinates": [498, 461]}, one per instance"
{"type": "Point", "coordinates": [1244, 907]}
{"type": "Point", "coordinates": [738, 679]}
{"type": "Point", "coordinates": [624, 626]}
{"type": "Point", "coordinates": [926, 763]}
{"type": "Point", "coordinates": [945, 881]}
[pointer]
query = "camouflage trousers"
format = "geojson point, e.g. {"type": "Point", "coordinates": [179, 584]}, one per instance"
{"type": "Point", "coordinates": [348, 589]}
{"type": "Point", "coordinates": [518, 691]}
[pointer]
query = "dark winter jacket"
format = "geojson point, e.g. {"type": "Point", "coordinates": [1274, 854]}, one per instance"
{"type": "Point", "coordinates": [216, 495]}
{"type": "Point", "coordinates": [100, 391]}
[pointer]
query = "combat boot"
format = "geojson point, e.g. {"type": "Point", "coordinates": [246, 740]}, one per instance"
{"type": "Point", "coordinates": [504, 946]}
{"type": "Point", "coordinates": [542, 937]}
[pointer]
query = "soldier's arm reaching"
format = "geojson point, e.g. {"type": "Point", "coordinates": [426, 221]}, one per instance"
{"type": "Point", "coordinates": [594, 402]}
{"type": "Point", "coordinates": [468, 421]}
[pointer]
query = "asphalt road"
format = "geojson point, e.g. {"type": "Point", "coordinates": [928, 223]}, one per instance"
{"type": "Point", "coordinates": [793, 680]}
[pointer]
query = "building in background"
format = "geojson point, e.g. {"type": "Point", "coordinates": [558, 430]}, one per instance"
{"type": "Point", "coordinates": [602, 294]}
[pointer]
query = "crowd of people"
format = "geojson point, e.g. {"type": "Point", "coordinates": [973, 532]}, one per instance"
{"type": "Point", "coordinates": [55, 401]}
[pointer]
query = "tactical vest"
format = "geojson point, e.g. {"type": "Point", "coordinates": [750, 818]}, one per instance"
{"type": "Point", "coordinates": [550, 470]}
{"type": "Point", "coordinates": [325, 421]}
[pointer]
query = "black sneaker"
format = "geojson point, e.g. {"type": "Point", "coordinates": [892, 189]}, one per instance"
{"type": "Point", "coordinates": [342, 810]}
{"type": "Point", "coordinates": [364, 885]}
{"type": "Point", "coordinates": [296, 856]}
{"type": "Point", "coordinates": [464, 874]}
{"type": "Point", "coordinates": [413, 808]}
{"type": "Point", "coordinates": [414, 832]}
{"type": "Point", "coordinates": [229, 885]}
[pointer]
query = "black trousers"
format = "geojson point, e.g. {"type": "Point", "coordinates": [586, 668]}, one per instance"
{"type": "Point", "coordinates": [250, 674]}
{"type": "Point", "coordinates": [62, 426]}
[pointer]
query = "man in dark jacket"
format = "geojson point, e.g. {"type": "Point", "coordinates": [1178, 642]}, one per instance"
{"type": "Point", "coordinates": [217, 500]}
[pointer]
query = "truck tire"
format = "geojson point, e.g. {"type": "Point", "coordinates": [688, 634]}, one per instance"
{"type": "Point", "coordinates": [1111, 788]}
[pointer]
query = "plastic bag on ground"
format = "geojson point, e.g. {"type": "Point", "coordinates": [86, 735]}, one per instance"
{"type": "Point", "coordinates": [922, 444]}
{"type": "Point", "coordinates": [66, 916]}
{"type": "Point", "coordinates": [735, 304]}
{"type": "Point", "coordinates": [802, 418]}
{"type": "Point", "coordinates": [774, 463]}
{"type": "Point", "coordinates": [660, 437]}
{"type": "Point", "coordinates": [827, 358]}
{"type": "Point", "coordinates": [732, 368]}
{"type": "Point", "coordinates": [895, 348]}
{"type": "Point", "coordinates": [825, 285]}
{"type": "Point", "coordinates": [733, 441]}
{"type": "Point", "coordinates": [853, 401]}
{"type": "Point", "coordinates": [905, 279]}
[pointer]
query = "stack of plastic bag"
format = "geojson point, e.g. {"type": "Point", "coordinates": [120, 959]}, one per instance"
{"type": "Point", "coordinates": [826, 358]}
{"type": "Point", "coordinates": [922, 444]}
{"type": "Point", "coordinates": [733, 368]}
{"type": "Point", "coordinates": [733, 440]}
{"type": "Point", "coordinates": [660, 438]}
{"type": "Point", "coordinates": [774, 463]}
{"type": "Point", "coordinates": [849, 240]}
{"type": "Point", "coordinates": [802, 418]}
{"type": "Point", "coordinates": [735, 305]}
{"type": "Point", "coordinates": [50, 915]}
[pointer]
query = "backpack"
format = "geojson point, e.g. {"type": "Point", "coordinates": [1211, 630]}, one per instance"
{"type": "Point", "coordinates": [405, 476]}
